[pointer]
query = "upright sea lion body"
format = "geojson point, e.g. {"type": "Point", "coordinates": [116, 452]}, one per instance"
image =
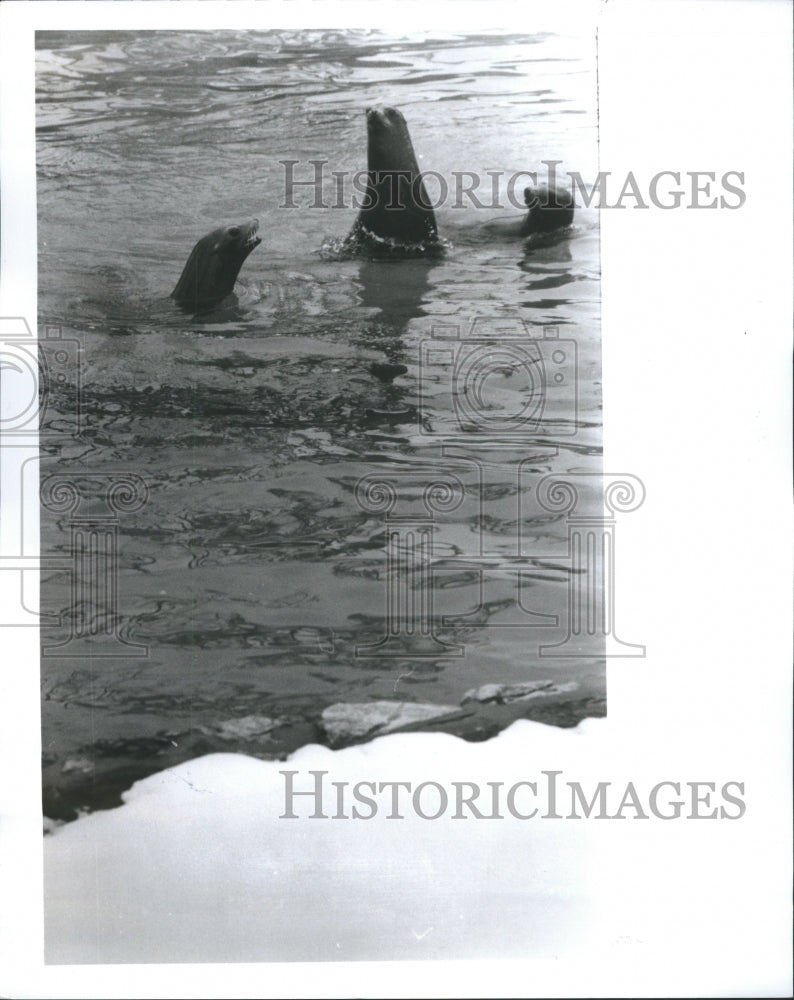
{"type": "Point", "coordinates": [212, 268]}
{"type": "Point", "coordinates": [396, 217]}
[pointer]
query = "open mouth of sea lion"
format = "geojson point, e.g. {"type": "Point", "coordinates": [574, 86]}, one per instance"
{"type": "Point", "coordinates": [245, 235]}
{"type": "Point", "coordinates": [212, 268]}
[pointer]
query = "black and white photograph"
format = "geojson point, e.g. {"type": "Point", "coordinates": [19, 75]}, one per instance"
{"type": "Point", "coordinates": [395, 460]}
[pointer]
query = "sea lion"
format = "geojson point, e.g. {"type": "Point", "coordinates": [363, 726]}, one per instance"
{"type": "Point", "coordinates": [396, 218]}
{"type": "Point", "coordinates": [549, 207]}
{"type": "Point", "coordinates": [213, 266]}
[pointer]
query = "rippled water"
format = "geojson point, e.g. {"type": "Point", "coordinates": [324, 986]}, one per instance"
{"type": "Point", "coordinates": [253, 576]}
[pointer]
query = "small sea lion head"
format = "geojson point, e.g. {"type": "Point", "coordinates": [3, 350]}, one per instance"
{"type": "Point", "coordinates": [381, 116]}
{"type": "Point", "coordinates": [549, 208]}
{"type": "Point", "coordinates": [212, 268]}
{"type": "Point", "coordinates": [389, 145]}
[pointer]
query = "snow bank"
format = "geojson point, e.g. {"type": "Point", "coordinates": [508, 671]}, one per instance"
{"type": "Point", "coordinates": [199, 866]}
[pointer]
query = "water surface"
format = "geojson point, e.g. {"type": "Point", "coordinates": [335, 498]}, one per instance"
{"type": "Point", "coordinates": [252, 580]}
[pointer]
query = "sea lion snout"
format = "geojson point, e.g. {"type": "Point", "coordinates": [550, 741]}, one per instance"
{"type": "Point", "coordinates": [252, 239]}
{"type": "Point", "coordinates": [245, 234]}
{"type": "Point", "coordinates": [384, 116]}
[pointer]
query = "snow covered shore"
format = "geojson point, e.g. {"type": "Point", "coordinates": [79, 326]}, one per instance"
{"type": "Point", "coordinates": [198, 865]}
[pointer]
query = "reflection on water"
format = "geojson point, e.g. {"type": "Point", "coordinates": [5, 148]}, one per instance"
{"type": "Point", "coordinates": [396, 289]}
{"type": "Point", "coordinates": [256, 574]}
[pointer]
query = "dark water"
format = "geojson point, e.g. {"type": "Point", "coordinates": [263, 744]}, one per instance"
{"type": "Point", "coordinates": [251, 575]}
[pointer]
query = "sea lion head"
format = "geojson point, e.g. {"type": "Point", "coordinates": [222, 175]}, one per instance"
{"type": "Point", "coordinates": [396, 207]}
{"type": "Point", "coordinates": [549, 207]}
{"type": "Point", "coordinates": [212, 268]}
{"type": "Point", "coordinates": [389, 145]}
